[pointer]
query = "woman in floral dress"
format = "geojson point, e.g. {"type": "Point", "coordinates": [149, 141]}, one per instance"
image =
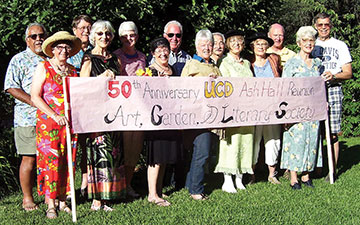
{"type": "Point", "coordinates": [301, 151]}
{"type": "Point", "coordinates": [48, 96]}
{"type": "Point", "coordinates": [106, 175]}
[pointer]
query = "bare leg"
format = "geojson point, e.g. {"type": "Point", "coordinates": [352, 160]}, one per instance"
{"type": "Point", "coordinates": [336, 147]}
{"type": "Point", "coordinates": [83, 162]}
{"type": "Point", "coordinates": [305, 177]}
{"type": "Point", "coordinates": [293, 177]}
{"type": "Point", "coordinates": [153, 176]}
{"type": "Point", "coordinates": [26, 174]}
{"type": "Point", "coordinates": [159, 183]}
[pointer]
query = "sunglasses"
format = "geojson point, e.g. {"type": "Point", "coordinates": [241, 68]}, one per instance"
{"type": "Point", "coordinates": [170, 35]}
{"type": "Point", "coordinates": [107, 33]}
{"type": "Point", "coordinates": [34, 36]}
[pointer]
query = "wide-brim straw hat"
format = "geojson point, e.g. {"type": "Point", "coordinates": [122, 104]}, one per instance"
{"type": "Point", "coordinates": [61, 36]}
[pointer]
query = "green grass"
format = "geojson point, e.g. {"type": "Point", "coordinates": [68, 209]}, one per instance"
{"type": "Point", "coordinates": [260, 203]}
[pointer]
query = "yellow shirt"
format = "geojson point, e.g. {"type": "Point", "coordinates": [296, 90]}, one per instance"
{"type": "Point", "coordinates": [285, 54]}
{"type": "Point", "coordinates": [194, 67]}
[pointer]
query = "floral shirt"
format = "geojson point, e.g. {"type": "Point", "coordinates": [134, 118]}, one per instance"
{"type": "Point", "coordinates": [296, 67]}
{"type": "Point", "coordinates": [19, 75]}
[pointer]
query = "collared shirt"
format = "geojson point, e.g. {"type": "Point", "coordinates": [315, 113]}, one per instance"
{"type": "Point", "coordinates": [19, 75]}
{"type": "Point", "coordinates": [229, 67]}
{"type": "Point", "coordinates": [198, 67]}
{"type": "Point", "coordinates": [176, 60]}
{"type": "Point", "coordinates": [285, 54]}
{"type": "Point", "coordinates": [76, 60]}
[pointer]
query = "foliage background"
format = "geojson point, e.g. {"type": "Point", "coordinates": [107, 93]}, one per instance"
{"type": "Point", "coordinates": [151, 16]}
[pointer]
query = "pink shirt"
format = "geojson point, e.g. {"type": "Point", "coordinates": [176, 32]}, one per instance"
{"type": "Point", "coordinates": [130, 63]}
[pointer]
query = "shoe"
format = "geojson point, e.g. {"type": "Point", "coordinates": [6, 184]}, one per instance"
{"type": "Point", "coordinates": [30, 206]}
{"type": "Point", "coordinates": [131, 192]}
{"type": "Point", "coordinates": [199, 196]}
{"type": "Point", "coordinates": [51, 213]}
{"type": "Point", "coordinates": [101, 207]}
{"type": "Point", "coordinates": [228, 189]}
{"type": "Point", "coordinates": [273, 180]}
{"type": "Point", "coordinates": [308, 183]}
{"type": "Point", "coordinates": [162, 203]}
{"type": "Point", "coordinates": [296, 186]}
{"type": "Point", "coordinates": [66, 209]}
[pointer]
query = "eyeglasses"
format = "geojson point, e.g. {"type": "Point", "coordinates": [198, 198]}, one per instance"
{"type": "Point", "coordinates": [83, 28]}
{"type": "Point", "coordinates": [34, 36]}
{"type": "Point", "coordinates": [261, 45]}
{"type": "Point", "coordinates": [107, 33]}
{"type": "Point", "coordinates": [323, 25]}
{"type": "Point", "coordinates": [128, 35]}
{"type": "Point", "coordinates": [236, 40]}
{"type": "Point", "coordinates": [170, 35]}
{"type": "Point", "coordinates": [159, 51]}
{"type": "Point", "coordinates": [61, 48]}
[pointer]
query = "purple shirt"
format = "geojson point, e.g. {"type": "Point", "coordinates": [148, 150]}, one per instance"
{"type": "Point", "coordinates": [130, 63]}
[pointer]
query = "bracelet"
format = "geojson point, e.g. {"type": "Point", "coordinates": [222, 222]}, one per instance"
{"type": "Point", "coordinates": [53, 116]}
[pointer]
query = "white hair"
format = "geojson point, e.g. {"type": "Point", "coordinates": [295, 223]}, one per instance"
{"type": "Point", "coordinates": [127, 25]}
{"type": "Point", "coordinates": [220, 34]}
{"type": "Point", "coordinates": [99, 25]}
{"type": "Point", "coordinates": [204, 35]}
{"type": "Point", "coordinates": [305, 32]}
{"type": "Point", "coordinates": [173, 22]}
{"type": "Point", "coordinates": [32, 25]}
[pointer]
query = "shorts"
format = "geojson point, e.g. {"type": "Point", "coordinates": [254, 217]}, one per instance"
{"type": "Point", "coordinates": [335, 97]}
{"type": "Point", "coordinates": [25, 140]}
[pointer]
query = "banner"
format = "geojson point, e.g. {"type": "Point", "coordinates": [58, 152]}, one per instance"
{"type": "Point", "coordinates": [161, 103]}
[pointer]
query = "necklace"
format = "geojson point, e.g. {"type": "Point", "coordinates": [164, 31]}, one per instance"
{"type": "Point", "coordinates": [62, 72]}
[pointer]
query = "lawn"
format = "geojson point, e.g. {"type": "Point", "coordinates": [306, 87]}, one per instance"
{"type": "Point", "coordinates": [260, 203]}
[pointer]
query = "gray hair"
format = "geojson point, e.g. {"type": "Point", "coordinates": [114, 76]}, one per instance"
{"type": "Point", "coordinates": [203, 35]}
{"type": "Point", "coordinates": [173, 22]}
{"type": "Point", "coordinates": [98, 25]}
{"type": "Point", "coordinates": [32, 25]}
{"type": "Point", "coordinates": [220, 34]}
{"type": "Point", "coordinates": [127, 25]}
{"type": "Point", "coordinates": [305, 32]}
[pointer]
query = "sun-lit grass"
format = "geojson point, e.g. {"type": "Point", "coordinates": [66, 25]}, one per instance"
{"type": "Point", "coordinates": [260, 203]}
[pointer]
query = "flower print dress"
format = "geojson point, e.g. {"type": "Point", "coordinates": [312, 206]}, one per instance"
{"type": "Point", "coordinates": [301, 150]}
{"type": "Point", "coordinates": [105, 157]}
{"type": "Point", "coordinates": [52, 167]}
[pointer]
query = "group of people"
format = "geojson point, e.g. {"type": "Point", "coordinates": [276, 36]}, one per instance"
{"type": "Point", "coordinates": [108, 159]}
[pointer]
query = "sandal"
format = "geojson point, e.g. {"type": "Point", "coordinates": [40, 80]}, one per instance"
{"type": "Point", "coordinates": [199, 196]}
{"type": "Point", "coordinates": [51, 213]}
{"type": "Point", "coordinates": [162, 203]}
{"type": "Point", "coordinates": [30, 206]}
{"type": "Point", "coordinates": [65, 208]}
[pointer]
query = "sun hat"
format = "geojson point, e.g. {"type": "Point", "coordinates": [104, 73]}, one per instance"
{"type": "Point", "coordinates": [61, 36]}
{"type": "Point", "coordinates": [260, 35]}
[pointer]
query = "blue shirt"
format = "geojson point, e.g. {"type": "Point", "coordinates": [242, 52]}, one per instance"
{"type": "Point", "coordinates": [176, 60]}
{"type": "Point", "coordinates": [264, 71]}
{"type": "Point", "coordinates": [19, 75]}
{"type": "Point", "coordinates": [76, 60]}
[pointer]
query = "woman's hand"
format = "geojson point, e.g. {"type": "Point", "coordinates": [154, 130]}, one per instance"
{"type": "Point", "coordinates": [287, 126]}
{"type": "Point", "coordinates": [108, 73]}
{"type": "Point", "coordinates": [60, 120]}
{"type": "Point", "coordinates": [213, 75]}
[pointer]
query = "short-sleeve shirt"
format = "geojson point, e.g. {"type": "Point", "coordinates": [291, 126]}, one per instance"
{"type": "Point", "coordinates": [285, 54]}
{"type": "Point", "coordinates": [76, 60]}
{"type": "Point", "coordinates": [19, 75]}
{"type": "Point", "coordinates": [333, 54]}
{"type": "Point", "coordinates": [130, 63]}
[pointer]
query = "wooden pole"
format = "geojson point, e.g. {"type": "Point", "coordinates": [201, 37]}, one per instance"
{"type": "Point", "coordinates": [69, 153]}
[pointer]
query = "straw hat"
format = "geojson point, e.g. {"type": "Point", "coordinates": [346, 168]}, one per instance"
{"type": "Point", "coordinates": [61, 36]}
